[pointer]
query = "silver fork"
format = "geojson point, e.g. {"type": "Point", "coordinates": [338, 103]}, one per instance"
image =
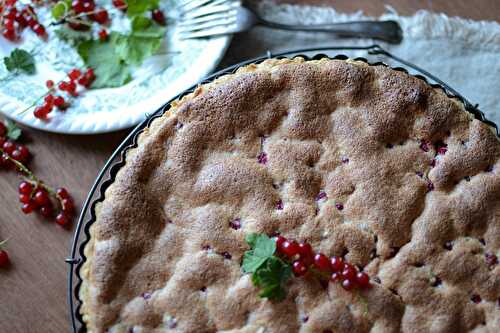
{"type": "Point", "coordinates": [205, 18]}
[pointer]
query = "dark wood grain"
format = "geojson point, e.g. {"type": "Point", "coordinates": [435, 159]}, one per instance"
{"type": "Point", "coordinates": [33, 289]}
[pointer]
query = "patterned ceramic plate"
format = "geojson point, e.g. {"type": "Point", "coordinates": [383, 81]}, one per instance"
{"type": "Point", "coordinates": [178, 65]}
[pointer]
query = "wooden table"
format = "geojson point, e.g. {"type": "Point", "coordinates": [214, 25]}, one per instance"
{"type": "Point", "coordinates": [33, 288]}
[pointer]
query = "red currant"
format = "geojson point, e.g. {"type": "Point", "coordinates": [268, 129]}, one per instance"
{"type": "Point", "coordinates": [4, 258]}
{"type": "Point", "coordinates": [21, 20]}
{"type": "Point", "coordinates": [24, 153]}
{"type": "Point", "coordinates": [68, 206]}
{"type": "Point", "coordinates": [159, 17]}
{"type": "Point", "coordinates": [28, 208]}
{"type": "Point", "coordinates": [347, 284]}
{"type": "Point", "coordinates": [59, 102]}
{"type": "Point", "coordinates": [336, 264]}
{"type": "Point", "coordinates": [299, 268]}
{"type": "Point", "coordinates": [47, 211]}
{"type": "Point", "coordinates": [305, 250]}
{"type": "Point", "coordinates": [41, 197]}
{"type": "Point", "coordinates": [74, 74]}
{"type": "Point", "coordinates": [49, 99]}
{"type": "Point", "coordinates": [120, 4]}
{"type": "Point", "coordinates": [101, 16]}
{"type": "Point", "coordinates": [39, 30]}
{"type": "Point", "coordinates": [9, 24]}
{"type": "Point", "coordinates": [279, 242]}
{"type": "Point", "coordinates": [9, 34]}
{"type": "Point", "coordinates": [290, 248]}
{"type": "Point", "coordinates": [11, 13]}
{"type": "Point", "coordinates": [49, 84]}
{"type": "Point", "coordinates": [9, 147]}
{"type": "Point", "coordinates": [362, 280]}
{"type": "Point", "coordinates": [62, 193]}
{"type": "Point", "coordinates": [321, 262]}
{"type": "Point", "coordinates": [77, 6]}
{"type": "Point", "coordinates": [335, 277]}
{"type": "Point", "coordinates": [88, 6]}
{"type": "Point", "coordinates": [3, 129]}
{"type": "Point", "coordinates": [10, 2]}
{"type": "Point", "coordinates": [24, 198]}
{"type": "Point", "coordinates": [63, 85]}
{"type": "Point", "coordinates": [25, 188]}
{"type": "Point", "coordinates": [62, 219]}
{"type": "Point", "coordinates": [349, 272]}
{"type": "Point", "coordinates": [103, 35]}
{"type": "Point", "coordinates": [40, 113]}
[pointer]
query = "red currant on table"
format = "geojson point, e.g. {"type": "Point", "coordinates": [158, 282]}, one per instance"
{"type": "Point", "coordinates": [305, 250]}
{"type": "Point", "coordinates": [25, 188]}
{"type": "Point", "coordinates": [47, 211]}
{"type": "Point", "coordinates": [28, 208]}
{"type": "Point", "coordinates": [62, 219]}
{"type": "Point", "coordinates": [41, 197]}
{"type": "Point", "coordinates": [4, 258]}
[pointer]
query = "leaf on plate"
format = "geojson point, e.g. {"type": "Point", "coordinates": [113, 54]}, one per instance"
{"type": "Point", "coordinates": [110, 69]}
{"type": "Point", "coordinates": [142, 42]}
{"type": "Point", "coordinates": [139, 7]}
{"type": "Point", "coordinates": [19, 61]}
{"type": "Point", "coordinates": [72, 36]}
{"type": "Point", "coordinates": [13, 132]}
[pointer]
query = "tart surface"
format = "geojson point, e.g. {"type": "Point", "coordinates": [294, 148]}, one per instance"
{"type": "Point", "coordinates": [258, 147]}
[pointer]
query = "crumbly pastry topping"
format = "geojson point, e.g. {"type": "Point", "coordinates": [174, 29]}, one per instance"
{"type": "Point", "coordinates": [359, 161]}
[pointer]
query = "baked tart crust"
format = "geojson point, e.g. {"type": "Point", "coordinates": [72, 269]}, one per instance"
{"type": "Point", "coordinates": [422, 221]}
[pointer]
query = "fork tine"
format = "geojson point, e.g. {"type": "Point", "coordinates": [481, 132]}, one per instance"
{"type": "Point", "coordinates": [208, 33]}
{"type": "Point", "coordinates": [190, 4]}
{"type": "Point", "coordinates": [207, 18]}
{"type": "Point", "coordinates": [208, 25]}
{"type": "Point", "coordinates": [194, 4]}
{"type": "Point", "coordinates": [210, 10]}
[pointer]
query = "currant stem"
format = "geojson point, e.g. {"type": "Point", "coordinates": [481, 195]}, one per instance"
{"type": "Point", "coordinates": [39, 99]}
{"type": "Point", "coordinates": [30, 175]}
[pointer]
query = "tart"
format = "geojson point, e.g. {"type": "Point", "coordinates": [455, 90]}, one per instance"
{"type": "Point", "coordinates": [360, 161]}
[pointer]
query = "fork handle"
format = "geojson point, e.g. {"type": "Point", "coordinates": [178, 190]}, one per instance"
{"type": "Point", "coordinates": [389, 31]}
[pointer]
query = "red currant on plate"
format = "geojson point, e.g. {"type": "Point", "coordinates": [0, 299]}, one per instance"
{"type": "Point", "coordinates": [4, 258]}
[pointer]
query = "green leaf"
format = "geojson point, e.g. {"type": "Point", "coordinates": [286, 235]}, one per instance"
{"type": "Point", "coordinates": [110, 69]}
{"type": "Point", "coordinates": [72, 36]}
{"type": "Point", "coordinates": [13, 132]}
{"type": "Point", "coordinates": [20, 61]}
{"type": "Point", "coordinates": [60, 9]}
{"type": "Point", "coordinates": [263, 248]}
{"type": "Point", "coordinates": [144, 40]}
{"type": "Point", "coordinates": [271, 277]}
{"type": "Point", "coordinates": [139, 7]}
{"type": "Point", "coordinates": [251, 239]}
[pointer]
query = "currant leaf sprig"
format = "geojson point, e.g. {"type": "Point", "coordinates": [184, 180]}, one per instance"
{"type": "Point", "coordinates": [271, 261]}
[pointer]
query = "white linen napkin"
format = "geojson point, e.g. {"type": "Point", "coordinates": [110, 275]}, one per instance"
{"type": "Point", "coordinates": [463, 53]}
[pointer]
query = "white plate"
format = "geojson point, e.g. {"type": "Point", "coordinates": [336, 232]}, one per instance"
{"type": "Point", "coordinates": [178, 66]}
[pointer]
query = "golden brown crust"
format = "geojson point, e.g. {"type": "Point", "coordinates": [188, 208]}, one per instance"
{"type": "Point", "coordinates": [355, 131]}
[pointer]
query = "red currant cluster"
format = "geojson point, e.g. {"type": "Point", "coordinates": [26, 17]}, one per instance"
{"type": "Point", "coordinates": [15, 18]}
{"type": "Point", "coordinates": [11, 150]}
{"type": "Point", "coordinates": [304, 259]}
{"type": "Point", "coordinates": [156, 14]}
{"type": "Point", "coordinates": [84, 12]}
{"type": "Point", "coordinates": [76, 79]}
{"type": "Point", "coordinates": [39, 197]}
